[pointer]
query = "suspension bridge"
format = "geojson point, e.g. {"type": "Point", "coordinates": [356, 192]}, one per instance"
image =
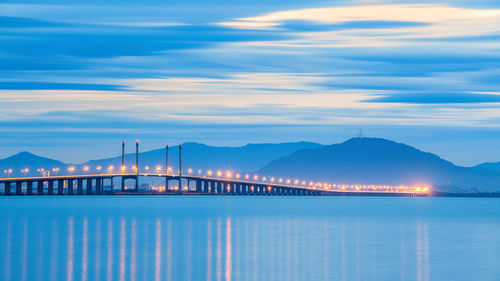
{"type": "Point", "coordinates": [188, 184]}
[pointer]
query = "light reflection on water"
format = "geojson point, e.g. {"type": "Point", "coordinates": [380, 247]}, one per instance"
{"type": "Point", "coordinates": [200, 238]}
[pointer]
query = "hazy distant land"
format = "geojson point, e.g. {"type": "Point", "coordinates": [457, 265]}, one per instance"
{"type": "Point", "coordinates": [355, 161]}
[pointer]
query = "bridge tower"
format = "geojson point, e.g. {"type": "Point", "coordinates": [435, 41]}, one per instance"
{"type": "Point", "coordinates": [180, 168]}
{"type": "Point", "coordinates": [166, 168]}
{"type": "Point", "coordinates": [123, 165]}
{"type": "Point", "coordinates": [136, 165]}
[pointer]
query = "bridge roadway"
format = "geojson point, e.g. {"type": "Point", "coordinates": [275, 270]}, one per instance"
{"type": "Point", "coordinates": [94, 184]}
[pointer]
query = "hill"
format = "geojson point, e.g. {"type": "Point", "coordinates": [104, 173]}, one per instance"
{"type": "Point", "coordinates": [200, 156]}
{"type": "Point", "coordinates": [24, 159]}
{"type": "Point", "coordinates": [492, 167]}
{"type": "Point", "coordinates": [380, 161]}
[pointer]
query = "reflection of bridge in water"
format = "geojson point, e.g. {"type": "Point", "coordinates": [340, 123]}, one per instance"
{"type": "Point", "coordinates": [95, 184]}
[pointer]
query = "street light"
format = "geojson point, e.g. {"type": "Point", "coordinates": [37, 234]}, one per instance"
{"type": "Point", "coordinates": [8, 172]}
{"type": "Point", "coordinates": [71, 169]}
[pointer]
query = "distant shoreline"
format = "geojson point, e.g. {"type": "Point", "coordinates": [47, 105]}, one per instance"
{"type": "Point", "coordinates": [476, 195]}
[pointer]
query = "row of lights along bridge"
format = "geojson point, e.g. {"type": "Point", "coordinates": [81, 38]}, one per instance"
{"type": "Point", "coordinates": [110, 169]}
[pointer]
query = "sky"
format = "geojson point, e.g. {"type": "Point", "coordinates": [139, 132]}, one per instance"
{"type": "Point", "coordinates": [77, 77]}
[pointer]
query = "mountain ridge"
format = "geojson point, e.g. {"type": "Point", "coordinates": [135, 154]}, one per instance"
{"type": "Point", "coordinates": [380, 161]}
{"type": "Point", "coordinates": [355, 161]}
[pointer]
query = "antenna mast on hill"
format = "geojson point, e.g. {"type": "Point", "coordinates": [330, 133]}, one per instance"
{"type": "Point", "coordinates": [360, 133]}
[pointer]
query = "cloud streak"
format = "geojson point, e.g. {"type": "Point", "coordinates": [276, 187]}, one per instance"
{"type": "Point", "coordinates": [83, 70]}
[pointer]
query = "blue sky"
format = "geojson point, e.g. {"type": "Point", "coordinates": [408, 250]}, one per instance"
{"type": "Point", "coordinates": [76, 77]}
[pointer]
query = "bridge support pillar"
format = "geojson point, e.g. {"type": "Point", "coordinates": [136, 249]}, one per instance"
{"type": "Point", "coordinates": [79, 186]}
{"type": "Point", "coordinates": [123, 184]}
{"type": "Point", "coordinates": [198, 186]}
{"type": "Point", "coordinates": [98, 186]}
{"type": "Point", "coordinates": [29, 188]}
{"type": "Point", "coordinates": [111, 185]}
{"type": "Point", "coordinates": [39, 187]}
{"type": "Point", "coordinates": [60, 187]}
{"type": "Point", "coordinates": [166, 184]}
{"type": "Point", "coordinates": [137, 184]}
{"type": "Point", "coordinates": [50, 187]}
{"type": "Point", "coordinates": [70, 186]}
{"type": "Point", "coordinates": [89, 186]}
{"type": "Point", "coordinates": [6, 188]}
{"type": "Point", "coordinates": [19, 188]}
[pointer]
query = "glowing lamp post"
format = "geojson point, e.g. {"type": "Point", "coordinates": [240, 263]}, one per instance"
{"type": "Point", "coordinates": [8, 172]}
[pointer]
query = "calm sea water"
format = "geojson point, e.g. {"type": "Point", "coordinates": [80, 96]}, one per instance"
{"type": "Point", "coordinates": [248, 238]}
